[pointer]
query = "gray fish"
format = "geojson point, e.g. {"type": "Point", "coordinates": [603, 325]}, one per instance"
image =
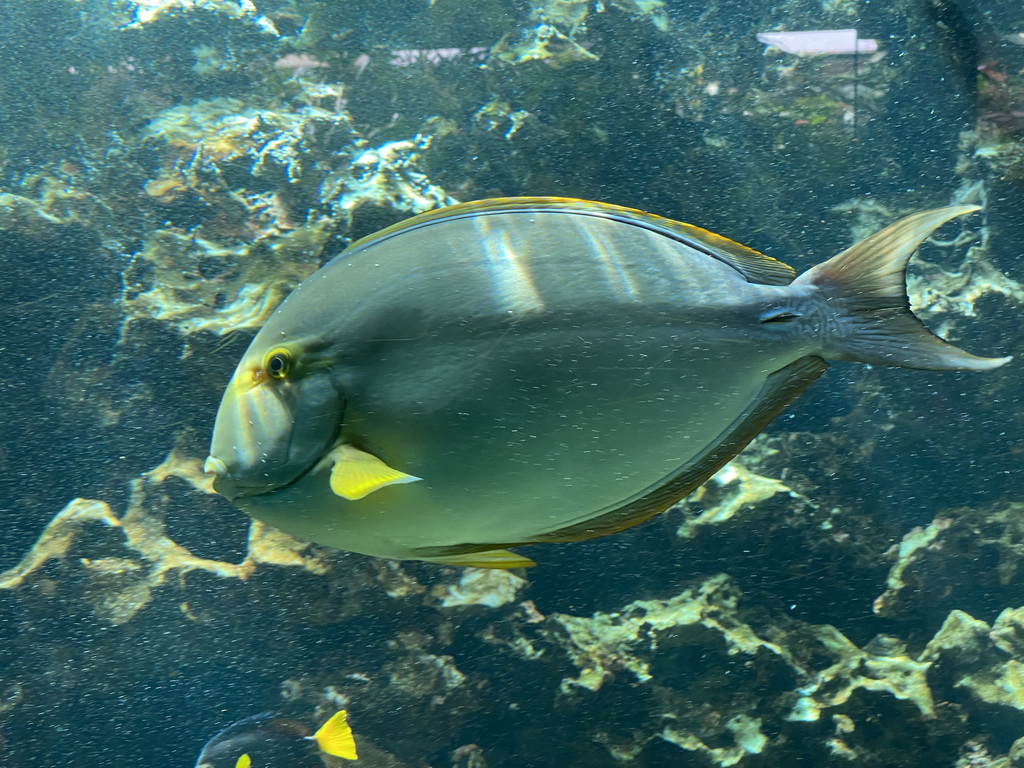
{"type": "Point", "coordinates": [527, 370]}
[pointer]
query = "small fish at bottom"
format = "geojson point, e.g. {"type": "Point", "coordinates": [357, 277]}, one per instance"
{"type": "Point", "coordinates": [270, 741]}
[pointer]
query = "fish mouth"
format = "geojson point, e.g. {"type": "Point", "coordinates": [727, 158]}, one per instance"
{"type": "Point", "coordinates": [214, 466]}
{"type": "Point", "coordinates": [232, 487]}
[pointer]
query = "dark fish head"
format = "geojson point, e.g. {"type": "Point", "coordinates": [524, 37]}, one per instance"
{"type": "Point", "coordinates": [279, 415]}
{"type": "Point", "coordinates": [268, 740]}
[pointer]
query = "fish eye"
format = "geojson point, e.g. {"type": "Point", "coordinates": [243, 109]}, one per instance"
{"type": "Point", "coordinates": [278, 363]}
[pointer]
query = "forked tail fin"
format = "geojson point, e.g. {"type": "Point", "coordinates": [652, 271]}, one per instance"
{"type": "Point", "coordinates": [866, 289]}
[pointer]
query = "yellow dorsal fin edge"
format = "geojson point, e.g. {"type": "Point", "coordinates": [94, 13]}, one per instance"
{"type": "Point", "coordinates": [753, 265]}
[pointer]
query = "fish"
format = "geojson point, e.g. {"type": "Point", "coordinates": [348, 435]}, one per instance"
{"type": "Point", "coordinates": [268, 740]}
{"type": "Point", "coordinates": [524, 370]}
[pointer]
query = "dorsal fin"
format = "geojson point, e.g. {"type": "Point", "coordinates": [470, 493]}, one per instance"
{"type": "Point", "coordinates": [753, 265]}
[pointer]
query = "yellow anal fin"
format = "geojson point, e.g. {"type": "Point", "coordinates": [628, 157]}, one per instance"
{"type": "Point", "coordinates": [335, 737]}
{"type": "Point", "coordinates": [357, 474]}
{"type": "Point", "coordinates": [493, 558]}
{"type": "Point", "coordinates": [244, 761]}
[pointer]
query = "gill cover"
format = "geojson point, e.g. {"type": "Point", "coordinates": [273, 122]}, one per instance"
{"type": "Point", "coordinates": [279, 415]}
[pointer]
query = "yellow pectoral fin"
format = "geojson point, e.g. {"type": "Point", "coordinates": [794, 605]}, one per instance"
{"type": "Point", "coordinates": [243, 762]}
{"type": "Point", "coordinates": [357, 474]}
{"type": "Point", "coordinates": [492, 558]}
{"type": "Point", "coordinates": [335, 737]}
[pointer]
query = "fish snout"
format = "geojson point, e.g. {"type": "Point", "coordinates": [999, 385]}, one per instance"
{"type": "Point", "coordinates": [214, 466]}
{"type": "Point", "coordinates": [224, 481]}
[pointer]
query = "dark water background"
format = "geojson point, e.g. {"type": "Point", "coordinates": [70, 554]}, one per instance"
{"type": "Point", "coordinates": [692, 121]}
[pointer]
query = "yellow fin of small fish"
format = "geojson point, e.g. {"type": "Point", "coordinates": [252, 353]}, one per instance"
{"type": "Point", "coordinates": [243, 762]}
{"type": "Point", "coordinates": [492, 558]}
{"type": "Point", "coordinates": [357, 474]}
{"type": "Point", "coordinates": [335, 737]}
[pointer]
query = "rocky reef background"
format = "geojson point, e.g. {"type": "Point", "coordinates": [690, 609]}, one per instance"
{"type": "Point", "coordinates": [848, 592]}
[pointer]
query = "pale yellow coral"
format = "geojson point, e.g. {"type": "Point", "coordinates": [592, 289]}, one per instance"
{"type": "Point", "coordinates": [992, 656]}
{"type": "Point", "coordinates": [606, 642]}
{"type": "Point", "coordinates": [746, 732]}
{"type": "Point", "coordinates": [899, 675]}
{"type": "Point", "coordinates": [736, 487]}
{"type": "Point", "coordinates": [913, 544]}
{"type": "Point", "coordinates": [230, 272]}
{"type": "Point", "coordinates": [481, 586]}
{"type": "Point", "coordinates": [122, 586]}
{"type": "Point", "coordinates": [142, 12]}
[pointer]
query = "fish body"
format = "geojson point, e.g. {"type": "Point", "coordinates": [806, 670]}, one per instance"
{"type": "Point", "coordinates": [270, 741]}
{"type": "Point", "coordinates": [538, 369]}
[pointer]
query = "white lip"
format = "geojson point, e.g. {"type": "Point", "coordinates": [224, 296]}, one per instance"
{"type": "Point", "coordinates": [214, 466]}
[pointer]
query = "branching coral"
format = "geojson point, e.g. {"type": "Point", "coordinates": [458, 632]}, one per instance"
{"type": "Point", "coordinates": [481, 586]}
{"type": "Point", "coordinates": [889, 671]}
{"type": "Point", "coordinates": [282, 182]}
{"type": "Point", "coordinates": [608, 642]}
{"type": "Point", "coordinates": [560, 24]}
{"type": "Point", "coordinates": [144, 11]}
{"type": "Point", "coordinates": [986, 660]}
{"type": "Point", "coordinates": [736, 487]}
{"type": "Point", "coordinates": [124, 584]}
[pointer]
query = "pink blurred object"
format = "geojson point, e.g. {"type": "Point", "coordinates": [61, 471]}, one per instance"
{"type": "Point", "coordinates": [818, 41]}
{"type": "Point", "coordinates": [362, 61]}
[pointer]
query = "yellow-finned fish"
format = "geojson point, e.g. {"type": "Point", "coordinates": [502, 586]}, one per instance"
{"type": "Point", "coordinates": [271, 741]}
{"type": "Point", "coordinates": [526, 370]}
